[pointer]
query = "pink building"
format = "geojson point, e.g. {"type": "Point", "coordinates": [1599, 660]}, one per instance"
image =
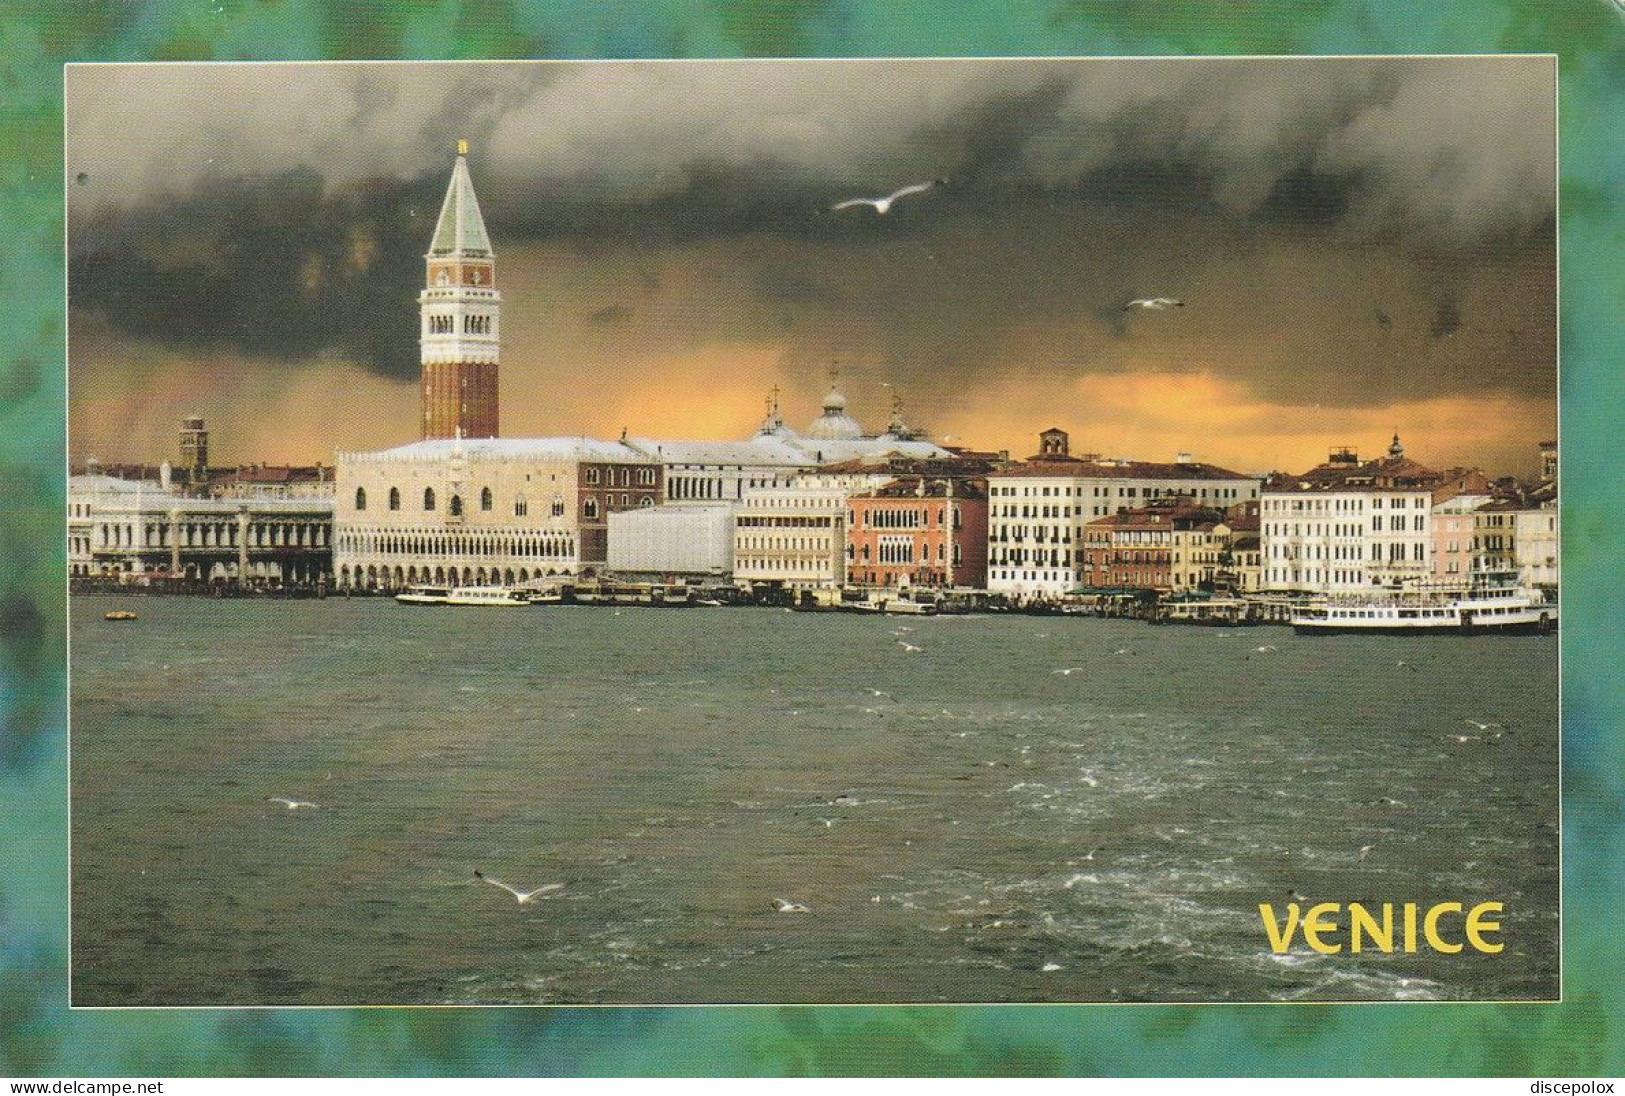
{"type": "Point", "coordinates": [919, 531]}
{"type": "Point", "coordinates": [1454, 501]}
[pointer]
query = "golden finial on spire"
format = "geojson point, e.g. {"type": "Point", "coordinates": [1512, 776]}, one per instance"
{"type": "Point", "coordinates": [462, 147]}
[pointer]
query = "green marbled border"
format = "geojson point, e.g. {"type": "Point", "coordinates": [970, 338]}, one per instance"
{"type": "Point", "coordinates": [38, 1036]}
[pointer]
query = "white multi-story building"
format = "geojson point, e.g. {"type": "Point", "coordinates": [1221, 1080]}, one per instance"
{"type": "Point", "coordinates": [483, 510]}
{"type": "Point", "coordinates": [141, 531]}
{"type": "Point", "coordinates": [1534, 545]}
{"type": "Point", "coordinates": [1347, 526]}
{"type": "Point", "coordinates": [791, 537]}
{"type": "Point", "coordinates": [1037, 509]}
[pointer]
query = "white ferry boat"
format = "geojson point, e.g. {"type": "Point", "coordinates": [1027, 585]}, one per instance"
{"type": "Point", "coordinates": [1493, 605]}
{"type": "Point", "coordinates": [423, 595]}
{"type": "Point", "coordinates": [909, 607]}
{"type": "Point", "coordinates": [485, 595]}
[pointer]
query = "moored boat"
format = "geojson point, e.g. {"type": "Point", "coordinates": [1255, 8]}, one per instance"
{"type": "Point", "coordinates": [1491, 604]}
{"type": "Point", "coordinates": [499, 596]}
{"type": "Point", "coordinates": [423, 595]}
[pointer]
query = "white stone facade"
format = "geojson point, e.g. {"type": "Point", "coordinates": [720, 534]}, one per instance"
{"type": "Point", "coordinates": [792, 537]}
{"type": "Point", "coordinates": [124, 528]}
{"type": "Point", "coordinates": [1535, 547]}
{"type": "Point", "coordinates": [505, 511]}
{"type": "Point", "coordinates": [1346, 541]}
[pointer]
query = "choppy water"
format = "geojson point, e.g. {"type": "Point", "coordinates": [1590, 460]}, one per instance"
{"type": "Point", "coordinates": [680, 770]}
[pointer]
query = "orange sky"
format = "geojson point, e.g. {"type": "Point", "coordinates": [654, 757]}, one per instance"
{"type": "Point", "coordinates": [686, 343]}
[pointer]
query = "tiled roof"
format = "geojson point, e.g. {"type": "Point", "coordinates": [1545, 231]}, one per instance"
{"type": "Point", "coordinates": [909, 487]}
{"type": "Point", "coordinates": [1387, 474]}
{"type": "Point", "coordinates": [577, 448]}
{"type": "Point", "coordinates": [1074, 468]}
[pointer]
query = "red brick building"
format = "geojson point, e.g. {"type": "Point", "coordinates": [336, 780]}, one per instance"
{"type": "Point", "coordinates": [919, 531]}
{"type": "Point", "coordinates": [608, 487]}
{"type": "Point", "coordinates": [1136, 548]}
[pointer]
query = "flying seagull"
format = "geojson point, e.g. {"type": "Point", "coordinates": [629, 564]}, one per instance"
{"type": "Point", "coordinates": [291, 804]}
{"type": "Point", "coordinates": [1067, 672]}
{"type": "Point", "coordinates": [883, 205]}
{"type": "Point", "coordinates": [1481, 726]}
{"type": "Point", "coordinates": [523, 896]}
{"type": "Point", "coordinates": [909, 647]}
{"type": "Point", "coordinates": [784, 905]}
{"type": "Point", "coordinates": [1154, 304]}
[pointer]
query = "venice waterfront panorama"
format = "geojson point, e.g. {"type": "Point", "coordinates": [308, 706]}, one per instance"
{"type": "Point", "coordinates": [345, 800]}
{"type": "Point", "coordinates": [803, 513]}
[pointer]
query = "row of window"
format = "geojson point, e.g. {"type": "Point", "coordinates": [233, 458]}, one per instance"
{"type": "Point", "coordinates": [1004, 533]}
{"type": "Point", "coordinates": [783, 544]}
{"type": "Point", "coordinates": [1396, 552]}
{"type": "Point", "coordinates": [813, 566]}
{"type": "Point", "coordinates": [472, 325]}
{"type": "Point", "coordinates": [1099, 492]}
{"type": "Point", "coordinates": [260, 534]}
{"type": "Point", "coordinates": [778, 521]}
{"type": "Point", "coordinates": [458, 543]}
{"type": "Point", "coordinates": [900, 552]}
{"type": "Point", "coordinates": [1022, 557]}
{"type": "Point", "coordinates": [1042, 576]}
{"type": "Point", "coordinates": [521, 506]}
{"type": "Point", "coordinates": [1342, 504]}
{"type": "Point", "coordinates": [618, 477]}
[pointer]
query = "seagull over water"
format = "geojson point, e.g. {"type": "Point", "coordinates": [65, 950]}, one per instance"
{"type": "Point", "coordinates": [1154, 304]}
{"type": "Point", "coordinates": [1068, 672]}
{"type": "Point", "coordinates": [291, 804]}
{"type": "Point", "coordinates": [909, 647]}
{"type": "Point", "coordinates": [784, 905]}
{"type": "Point", "coordinates": [523, 897]}
{"type": "Point", "coordinates": [883, 205]}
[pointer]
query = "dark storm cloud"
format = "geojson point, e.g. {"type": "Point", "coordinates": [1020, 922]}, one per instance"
{"type": "Point", "coordinates": [275, 267]}
{"type": "Point", "coordinates": [304, 195]}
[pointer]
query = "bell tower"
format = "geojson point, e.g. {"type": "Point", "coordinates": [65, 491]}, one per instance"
{"type": "Point", "coordinates": [459, 312]}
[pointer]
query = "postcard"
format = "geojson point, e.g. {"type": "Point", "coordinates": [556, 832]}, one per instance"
{"type": "Point", "coordinates": [1076, 530]}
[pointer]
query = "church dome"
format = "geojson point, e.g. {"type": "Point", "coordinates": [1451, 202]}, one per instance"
{"type": "Point", "coordinates": [834, 424]}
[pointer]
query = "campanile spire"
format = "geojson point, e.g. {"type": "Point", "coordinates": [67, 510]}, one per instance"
{"type": "Point", "coordinates": [459, 311]}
